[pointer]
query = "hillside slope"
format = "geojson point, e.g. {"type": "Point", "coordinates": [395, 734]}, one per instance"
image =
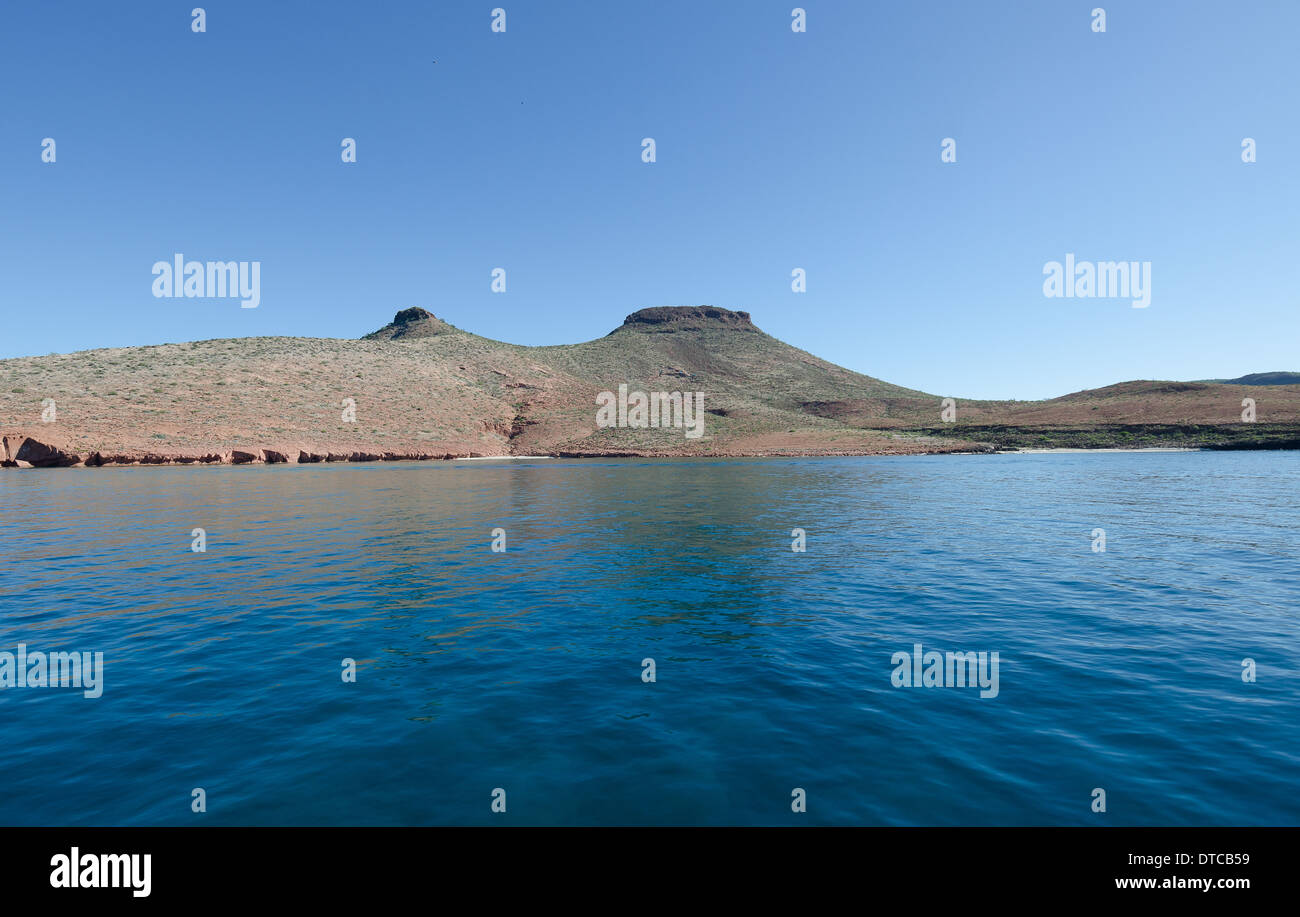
{"type": "Point", "coordinates": [422, 388]}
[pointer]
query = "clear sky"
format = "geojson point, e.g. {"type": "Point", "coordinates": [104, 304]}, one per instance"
{"type": "Point", "coordinates": [775, 150]}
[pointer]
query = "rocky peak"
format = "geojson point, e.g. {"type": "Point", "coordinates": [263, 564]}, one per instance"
{"type": "Point", "coordinates": [681, 318]}
{"type": "Point", "coordinates": [410, 323]}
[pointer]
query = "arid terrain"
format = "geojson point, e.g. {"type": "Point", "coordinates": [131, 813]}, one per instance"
{"type": "Point", "coordinates": [420, 388]}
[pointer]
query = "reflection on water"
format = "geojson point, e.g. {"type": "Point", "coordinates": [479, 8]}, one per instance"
{"type": "Point", "coordinates": [522, 670]}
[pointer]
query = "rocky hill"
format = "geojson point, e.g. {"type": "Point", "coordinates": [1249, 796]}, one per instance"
{"type": "Point", "coordinates": [421, 388]}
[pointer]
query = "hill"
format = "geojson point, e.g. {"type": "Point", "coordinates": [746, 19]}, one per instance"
{"type": "Point", "coordinates": [422, 388]}
{"type": "Point", "coordinates": [1274, 378]}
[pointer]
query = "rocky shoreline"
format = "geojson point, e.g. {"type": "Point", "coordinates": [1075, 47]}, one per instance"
{"type": "Point", "coordinates": [28, 452]}
{"type": "Point", "coordinates": [24, 451]}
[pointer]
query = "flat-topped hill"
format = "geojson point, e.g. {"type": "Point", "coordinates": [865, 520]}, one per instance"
{"type": "Point", "coordinates": [677, 318]}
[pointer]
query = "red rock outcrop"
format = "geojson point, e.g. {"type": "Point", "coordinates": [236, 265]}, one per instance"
{"type": "Point", "coordinates": [21, 449]}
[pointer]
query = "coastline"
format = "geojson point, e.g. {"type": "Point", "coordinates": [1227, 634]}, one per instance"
{"type": "Point", "coordinates": [59, 459]}
{"type": "Point", "coordinates": [1075, 450]}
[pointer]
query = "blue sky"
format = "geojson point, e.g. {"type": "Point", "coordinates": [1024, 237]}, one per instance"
{"type": "Point", "coordinates": [775, 151]}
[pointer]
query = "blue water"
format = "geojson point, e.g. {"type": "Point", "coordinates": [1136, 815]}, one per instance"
{"type": "Point", "coordinates": [522, 670]}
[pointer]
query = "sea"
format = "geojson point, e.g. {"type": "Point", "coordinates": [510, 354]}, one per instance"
{"type": "Point", "coordinates": [775, 641]}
